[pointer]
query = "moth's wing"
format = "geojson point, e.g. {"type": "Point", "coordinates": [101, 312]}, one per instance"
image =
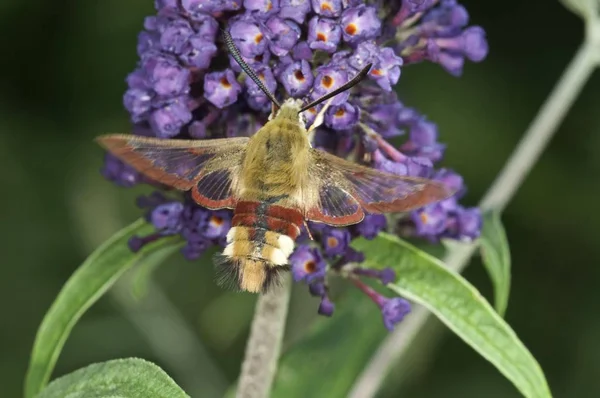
{"type": "Point", "coordinates": [341, 192]}
{"type": "Point", "coordinates": [209, 168]}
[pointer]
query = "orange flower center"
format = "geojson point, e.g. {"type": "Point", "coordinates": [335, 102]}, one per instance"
{"type": "Point", "coordinates": [321, 37]}
{"type": "Point", "coordinates": [216, 220]}
{"type": "Point", "coordinates": [332, 242]}
{"type": "Point", "coordinates": [424, 218]}
{"type": "Point", "coordinates": [351, 29]}
{"type": "Point", "coordinates": [340, 112]}
{"type": "Point", "coordinates": [326, 7]}
{"type": "Point", "coordinates": [258, 38]}
{"type": "Point", "coordinates": [327, 81]}
{"type": "Point", "coordinates": [225, 83]}
{"type": "Point", "coordinates": [310, 266]}
{"type": "Point", "coordinates": [299, 75]}
{"type": "Point", "coordinates": [376, 72]}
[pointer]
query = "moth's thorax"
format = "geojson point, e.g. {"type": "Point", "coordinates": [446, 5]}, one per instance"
{"type": "Point", "coordinates": [276, 160]}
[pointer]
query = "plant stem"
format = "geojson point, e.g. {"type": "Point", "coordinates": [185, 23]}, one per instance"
{"type": "Point", "coordinates": [264, 343]}
{"type": "Point", "coordinates": [511, 177]}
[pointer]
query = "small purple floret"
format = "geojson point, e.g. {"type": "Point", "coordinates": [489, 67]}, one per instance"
{"type": "Point", "coordinates": [324, 34]}
{"type": "Point", "coordinates": [360, 23]}
{"type": "Point", "coordinates": [307, 264]}
{"type": "Point", "coordinates": [371, 225]}
{"type": "Point", "coordinates": [335, 242]}
{"type": "Point", "coordinates": [221, 88]}
{"type": "Point", "coordinates": [297, 78]}
{"type": "Point", "coordinates": [394, 310]}
{"type": "Point", "coordinates": [326, 307]}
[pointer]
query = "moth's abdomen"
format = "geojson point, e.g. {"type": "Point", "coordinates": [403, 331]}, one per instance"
{"type": "Point", "coordinates": [259, 244]}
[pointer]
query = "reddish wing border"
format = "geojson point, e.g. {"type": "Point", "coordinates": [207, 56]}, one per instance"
{"type": "Point", "coordinates": [181, 164]}
{"type": "Point", "coordinates": [373, 190]}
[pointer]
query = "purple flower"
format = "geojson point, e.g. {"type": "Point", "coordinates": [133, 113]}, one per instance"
{"type": "Point", "coordinates": [168, 120]}
{"type": "Point", "coordinates": [198, 52]}
{"type": "Point", "coordinates": [342, 117]}
{"type": "Point", "coordinates": [297, 78]}
{"type": "Point", "coordinates": [371, 225]}
{"type": "Point", "coordinates": [166, 77]}
{"type": "Point", "coordinates": [283, 35]}
{"type": "Point", "coordinates": [167, 217]}
{"type": "Point", "coordinates": [221, 88]}
{"type": "Point", "coordinates": [327, 8]}
{"type": "Point", "coordinates": [423, 141]}
{"type": "Point", "coordinates": [302, 51]}
{"type": "Point", "coordinates": [439, 37]}
{"type": "Point", "coordinates": [386, 275]}
{"type": "Point", "coordinates": [262, 6]}
{"type": "Point", "coordinates": [248, 37]}
{"type": "Point", "coordinates": [217, 224]}
{"type": "Point", "coordinates": [360, 23]}
{"type": "Point", "coordinates": [324, 34]}
{"type": "Point", "coordinates": [430, 220]}
{"type": "Point", "coordinates": [317, 288]}
{"type": "Point", "coordinates": [386, 64]}
{"type": "Point", "coordinates": [294, 9]}
{"type": "Point", "coordinates": [121, 174]}
{"type": "Point", "coordinates": [452, 180]}
{"type": "Point", "coordinates": [326, 307]}
{"type": "Point", "coordinates": [174, 35]}
{"type": "Point", "coordinates": [394, 310]}
{"type": "Point", "coordinates": [469, 224]}
{"type": "Point", "coordinates": [335, 242]}
{"type": "Point", "coordinates": [200, 7]}
{"type": "Point", "coordinates": [328, 79]}
{"type": "Point", "coordinates": [307, 264]}
{"type": "Point", "coordinates": [471, 43]}
{"type": "Point", "coordinates": [405, 166]}
{"type": "Point", "coordinates": [138, 103]}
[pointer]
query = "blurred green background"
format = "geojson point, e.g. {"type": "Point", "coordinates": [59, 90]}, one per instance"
{"type": "Point", "coordinates": [61, 82]}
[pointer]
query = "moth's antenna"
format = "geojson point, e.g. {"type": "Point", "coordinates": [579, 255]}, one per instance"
{"type": "Point", "coordinates": [235, 53]}
{"type": "Point", "coordinates": [361, 75]}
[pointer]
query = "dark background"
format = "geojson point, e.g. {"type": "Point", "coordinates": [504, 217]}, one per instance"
{"type": "Point", "coordinates": [62, 73]}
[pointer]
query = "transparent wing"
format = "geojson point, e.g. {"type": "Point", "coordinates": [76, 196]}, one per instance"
{"type": "Point", "coordinates": [345, 191]}
{"type": "Point", "coordinates": [209, 168]}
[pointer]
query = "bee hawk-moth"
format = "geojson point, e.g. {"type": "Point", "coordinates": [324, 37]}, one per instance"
{"type": "Point", "coordinates": [274, 181]}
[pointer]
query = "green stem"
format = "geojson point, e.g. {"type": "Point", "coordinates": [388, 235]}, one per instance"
{"type": "Point", "coordinates": [264, 344]}
{"type": "Point", "coordinates": [511, 177]}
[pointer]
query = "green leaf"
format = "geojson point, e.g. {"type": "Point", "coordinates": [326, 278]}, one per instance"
{"type": "Point", "coordinates": [425, 280]}
{"type": "Point", "coordinates": [87, 284]}
{"type": "Point", "coordinates": [333, 353]}
{"type": "Point", "coordinates": [119, 378]}
{"type": "Point", "coordinates": [142, 274]}
{"type": "Point", "coordinates": [496, 258]}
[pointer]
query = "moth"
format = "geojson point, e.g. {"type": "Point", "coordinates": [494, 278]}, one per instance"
{"type": "Point", "coordinates": [274, 181]}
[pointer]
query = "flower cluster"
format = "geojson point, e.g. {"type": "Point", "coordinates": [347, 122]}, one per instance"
{"type": "Point", "coordinates": [186, 85]}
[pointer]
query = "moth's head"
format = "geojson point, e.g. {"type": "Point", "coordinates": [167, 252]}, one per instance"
{"type": "Point", "coordinates": [290, 109]}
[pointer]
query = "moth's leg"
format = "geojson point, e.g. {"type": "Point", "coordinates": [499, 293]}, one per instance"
{"type": "Point", "coordinates": [318, 120]}
{"type": "Point", "coordinates": [308, 230]}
